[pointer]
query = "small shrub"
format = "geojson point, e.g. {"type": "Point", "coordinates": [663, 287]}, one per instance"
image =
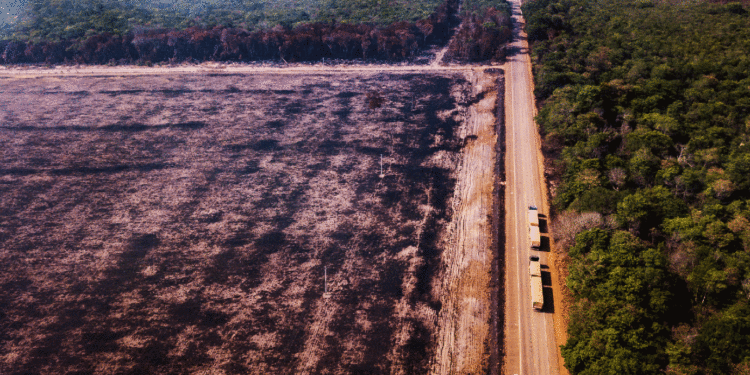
{"type": "Point", "coordinates": [374, 100]}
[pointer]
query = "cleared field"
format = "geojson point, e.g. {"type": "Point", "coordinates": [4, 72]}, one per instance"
{"type": "Point", "coordinates": [182, 223]}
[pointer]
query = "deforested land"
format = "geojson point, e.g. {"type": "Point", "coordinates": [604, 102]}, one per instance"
{"type": "Point", "coordinates": [185, 223]}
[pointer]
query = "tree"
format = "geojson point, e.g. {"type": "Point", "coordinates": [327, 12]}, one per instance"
{"type": "Point", "coordinates": [647, 209]}
{"type": "Point", "coordinates": [654, 141]}
{"type": "Point", "coordinates": [739, 171]}
{"type": "Point", "coordinates": [617, 323]}
{"type": "Point", "coordinates": [724, 339]}
{"type": "Point", "coordinates": [658, 93]}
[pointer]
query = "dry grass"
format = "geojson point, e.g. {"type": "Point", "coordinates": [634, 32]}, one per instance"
{"type": "Point", "coordinates": [569, 223]}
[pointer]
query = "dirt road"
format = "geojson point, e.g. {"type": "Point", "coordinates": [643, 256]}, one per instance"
{"type": "Point", "coordinates": [531, 344]}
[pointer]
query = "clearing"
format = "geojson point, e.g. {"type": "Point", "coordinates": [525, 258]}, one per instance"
{"type": "Point", "coordinates": [165, 221]}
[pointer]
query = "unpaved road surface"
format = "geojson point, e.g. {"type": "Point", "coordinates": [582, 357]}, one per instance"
{"type": "Point", "coordinates": [531, 343]}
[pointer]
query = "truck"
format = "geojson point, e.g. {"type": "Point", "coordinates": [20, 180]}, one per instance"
{"type": "Point", "coordinates": [535, 236]}
{"type": "Point", "coordinates": [535, 271]}
{"type": "Point", "coordinates": [533, 216]}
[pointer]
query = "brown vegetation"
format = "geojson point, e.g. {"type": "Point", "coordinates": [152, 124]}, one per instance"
{"type": "Point", "coordinates": [481, 37]}
{"type": "Point", "coordinates": [181, 223]}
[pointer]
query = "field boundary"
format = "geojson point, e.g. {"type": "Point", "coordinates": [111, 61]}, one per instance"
{"type": "Point", "coordinates": [498, 234]}
{"type": "Point", "coordinates": [222, 69]}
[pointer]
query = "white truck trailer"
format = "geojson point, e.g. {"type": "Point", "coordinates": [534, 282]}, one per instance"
{"type": "Point", "coordinates": [533, 216]}
{"type": "Point", "coordinates": [537, 295]}
{"type": "Point", "coordinates": [535, 236]}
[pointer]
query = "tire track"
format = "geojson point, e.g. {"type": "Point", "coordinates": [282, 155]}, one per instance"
{"type": "Point", "coordinates": [464, 321]}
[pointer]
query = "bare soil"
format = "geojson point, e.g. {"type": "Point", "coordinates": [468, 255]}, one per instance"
{"type": "Point", "coordinates": [181, 223]}
{"type": "Point", "coordinates": [467, 343]}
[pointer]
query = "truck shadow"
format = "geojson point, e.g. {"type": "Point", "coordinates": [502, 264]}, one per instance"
{"type": "Point", "coordinates": [549, 301]}
{"type": "Point", "coordinates": [543, 224]}
{"type": "Point", "coordinates": [544, 244]}
{"type": "Point", "coordinates": [546, 277]}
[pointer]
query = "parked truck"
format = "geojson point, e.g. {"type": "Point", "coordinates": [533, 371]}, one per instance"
{"type": "Point", "coordinates": [534, 233]}
{"type": "Point", "coordinates": [537, 296]}
{"type": "Point", "coordinates": [535, 236]}
{"type": "Point", "coordinates": [533, 216]}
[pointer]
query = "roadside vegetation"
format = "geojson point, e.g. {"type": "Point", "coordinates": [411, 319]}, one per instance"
{"type": "Point", "coordinates": [107, 31]}
{"type": "Point", "coordinates": [645, 116]}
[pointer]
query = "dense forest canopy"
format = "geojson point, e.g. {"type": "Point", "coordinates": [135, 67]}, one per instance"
{"type": "Point", "coordinates": [645, 114]}
{"type": "Point", "coordinates": [115, 32]}
{"type": "Point", "coordinates": [64, 19]}
{"type": "Point", "coordinates": [141, 31]}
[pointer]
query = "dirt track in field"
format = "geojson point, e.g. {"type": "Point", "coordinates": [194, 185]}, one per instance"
{"type": "Point", "coordinates": [173, 221]}
{"type": "Point", "coordinates": [464, 325]}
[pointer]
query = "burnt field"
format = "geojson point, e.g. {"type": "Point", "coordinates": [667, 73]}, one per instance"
{"type": "Point", "coordinates": [182, 223]}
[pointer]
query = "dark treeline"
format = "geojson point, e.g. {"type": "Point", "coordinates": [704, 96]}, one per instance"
{"type": "Point", "coordinates": [307, 42]}
{"type": "Point", "coordinates": [486, 29]}
{"type": "Point", "coordinates": [645, 117]}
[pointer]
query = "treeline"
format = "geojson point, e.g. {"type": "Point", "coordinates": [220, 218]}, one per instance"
{"type": "Point", "coordinates": [307, 42]}
{"type": "Point", "coordinates": [66, 19]}
{"type": "Point", "coordinates": [485, 31]}
{"type": "Point", "coordinates": [645, 117]}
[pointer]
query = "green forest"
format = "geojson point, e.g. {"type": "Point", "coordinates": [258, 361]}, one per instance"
{"type": "Point", "coordinates": [146, 32]}
{"type": "Point", "coordinates": [645, 118]}
{"type": "Point", "coordinates": [65, 19]}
